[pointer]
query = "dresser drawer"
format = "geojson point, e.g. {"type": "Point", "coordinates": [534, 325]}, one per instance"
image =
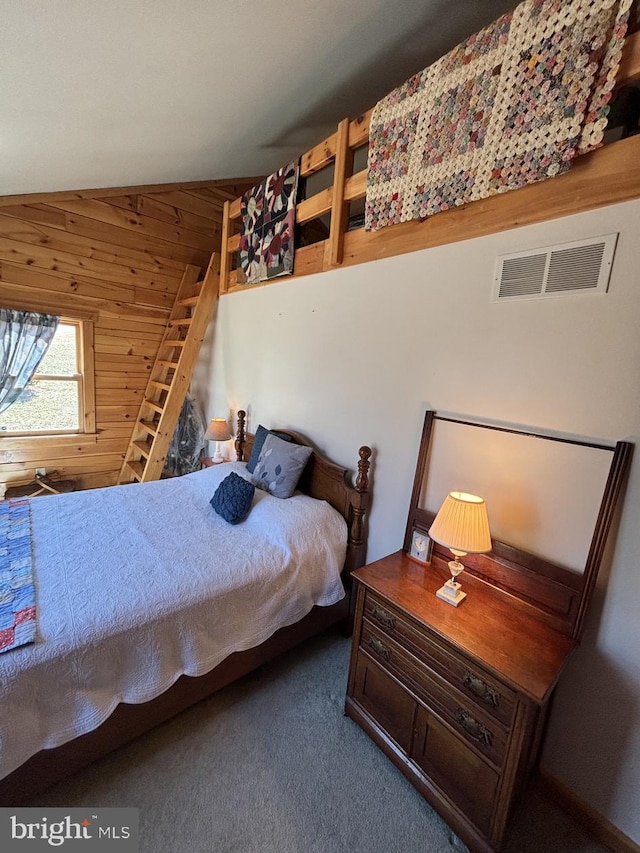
{"type": "Point", "coordinates": [457, 771]}
{"type": "Point", "coordinates": [484, 690]}
{"type": "Point", "coordinates": [474, 725]}
{"type": "Point", "coordinates": [385, 700]}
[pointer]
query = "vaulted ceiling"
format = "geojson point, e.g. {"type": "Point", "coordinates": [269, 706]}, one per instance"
{"type": "Point", "coordinates": [127, 92]}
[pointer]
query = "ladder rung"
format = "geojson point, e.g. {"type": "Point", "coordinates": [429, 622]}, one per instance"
{"type": "Point", "coordinates": [137, 468]}
{"type": "Point", "coordinates": [169, 377]}
{"type": "Point", "coordinates": [150, 427]}
{"type": "Point", "coordinates": [143, 447]}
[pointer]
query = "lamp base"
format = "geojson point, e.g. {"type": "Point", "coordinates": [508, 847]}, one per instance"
{"type": "Point", "coordinates": [451, 592]}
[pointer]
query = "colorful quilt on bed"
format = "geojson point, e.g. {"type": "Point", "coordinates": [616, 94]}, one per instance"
{"type": "Point", "coordinates": [513, 104]}
{"type": "Point", "coordinates": [268, 213]}
{"type": "Point", "coordinates": [17, 593]}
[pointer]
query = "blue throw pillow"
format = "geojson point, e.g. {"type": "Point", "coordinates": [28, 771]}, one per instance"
{"type": "Point", "coordinates": [233, 497]}
{"type": "Point", "coordinates": [258, 441]}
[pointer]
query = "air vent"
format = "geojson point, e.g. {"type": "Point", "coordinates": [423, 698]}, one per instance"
{"type": "Point", "coordinates": [580, 267]}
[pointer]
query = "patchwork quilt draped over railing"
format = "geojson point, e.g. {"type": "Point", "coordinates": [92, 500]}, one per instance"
{"type": "Point", "coordinates": [513, 104]}
{"type": "Point", "coordinates": [268, 213]}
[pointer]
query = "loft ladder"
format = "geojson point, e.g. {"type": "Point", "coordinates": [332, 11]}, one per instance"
{"type": "Point", "coordinates": [171, 374]}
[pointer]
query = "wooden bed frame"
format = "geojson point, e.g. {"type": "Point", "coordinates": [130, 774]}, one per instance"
{"type": "Point", "coordinates": [321, 479]}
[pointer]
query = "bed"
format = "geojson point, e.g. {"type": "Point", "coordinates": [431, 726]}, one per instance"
{"type": "Point", "coordinates": [134, 623]}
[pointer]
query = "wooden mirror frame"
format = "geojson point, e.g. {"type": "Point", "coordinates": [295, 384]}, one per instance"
{"type": "Point", "coordinates": [550, 592]}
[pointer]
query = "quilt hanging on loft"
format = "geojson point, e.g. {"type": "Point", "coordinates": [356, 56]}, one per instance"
{"type": "Point", "coordinates": [268, 213]}
{"type": "Point", "coordinates": [513, 104]}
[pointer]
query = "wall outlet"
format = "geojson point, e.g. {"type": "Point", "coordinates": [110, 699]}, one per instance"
{"type": "Point", "coordinates": [41, 471]}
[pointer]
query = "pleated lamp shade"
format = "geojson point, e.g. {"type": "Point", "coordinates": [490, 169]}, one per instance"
{"type": "Point", "coordinates": [462, 524]}
{"type": "Point", "coordinates": [218, 430]}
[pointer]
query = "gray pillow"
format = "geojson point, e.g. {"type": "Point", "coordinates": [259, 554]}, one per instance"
{"type": "Point", "coordinates": [258, 441]}
{"type": "Point", "coordinates": [279, 466]}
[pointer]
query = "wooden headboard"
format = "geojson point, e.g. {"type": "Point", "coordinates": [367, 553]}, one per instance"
{"type": "Point", "coordinates": [327, 481]}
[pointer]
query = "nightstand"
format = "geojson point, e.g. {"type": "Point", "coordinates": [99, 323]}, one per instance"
{"type": "Point", "coordinates": [208, 462]}
{"type": "Point", "coordinates": [457, 698]}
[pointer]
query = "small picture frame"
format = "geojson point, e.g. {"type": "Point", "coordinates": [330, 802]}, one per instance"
{"type": "Point", "coordinates": [421, 547]}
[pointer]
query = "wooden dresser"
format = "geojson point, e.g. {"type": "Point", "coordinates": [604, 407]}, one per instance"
{"type": "Point", "coordinates": [457, 697]}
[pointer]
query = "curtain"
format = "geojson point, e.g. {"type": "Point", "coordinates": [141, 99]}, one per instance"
{"type": "Point", "coordinates": [24, 340]}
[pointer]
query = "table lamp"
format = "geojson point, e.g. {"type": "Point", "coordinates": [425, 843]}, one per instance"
{"type": "Point", "coordinates": [218, 430]}
{"type": "Point", "coordinates": [462, 526]}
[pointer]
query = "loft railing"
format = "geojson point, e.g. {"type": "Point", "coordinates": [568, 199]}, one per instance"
{"type": "Point", "coordinates": [608, 175]}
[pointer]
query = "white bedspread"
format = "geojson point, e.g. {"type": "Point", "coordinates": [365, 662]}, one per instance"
{"type": "Point", "coordinates": [136, 585]}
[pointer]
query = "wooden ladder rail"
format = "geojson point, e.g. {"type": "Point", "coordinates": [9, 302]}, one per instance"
{"type": "Point", "coordinates": [171, 374]}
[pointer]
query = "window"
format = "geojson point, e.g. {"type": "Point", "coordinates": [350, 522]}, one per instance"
{"type": "Point", "coordinates": [60, 397]}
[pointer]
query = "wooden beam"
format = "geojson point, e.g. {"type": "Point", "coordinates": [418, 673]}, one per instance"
{"type": "Point", "coordinates": [319, 156]}
{"type": "Point", "coordinates": [359, 130]}
{"type": "Point", "coordinates": [87, 358]}
{"type": "Point", "coordinates": [356, 186]}
{"type": "Point", "coordinates": [225, 256]}
{"type": "Point", "coordinates": [339, 207]}
{"type": "Point", "coordinates": [317, 205]}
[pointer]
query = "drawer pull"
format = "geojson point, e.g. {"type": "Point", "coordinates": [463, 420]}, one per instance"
{"type": "Point", "coordinates": [380, 648]}
{"type": "Point", "coordinates": [383, 617]}
{"type": "Point", "coordinates": [473, 728]}
{"type": "Point", "coordinates": [481, 689]}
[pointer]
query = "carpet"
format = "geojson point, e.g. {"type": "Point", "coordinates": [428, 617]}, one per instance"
{"type": "Point", "coordinates": [272, 765]}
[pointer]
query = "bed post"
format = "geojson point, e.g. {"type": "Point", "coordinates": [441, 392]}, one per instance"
{"type": "Point", "coordinates": [240, 436]}
{"type": "Point", "coordinates": [356, 547]}
{"type": "Point", "coordinates": [359, 506]}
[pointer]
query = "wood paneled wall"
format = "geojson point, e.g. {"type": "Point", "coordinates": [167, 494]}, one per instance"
{"type": "Point", "coordinates": [115, 257]}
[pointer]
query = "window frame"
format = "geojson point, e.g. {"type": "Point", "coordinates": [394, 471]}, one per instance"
{"type": "Point", "coordinates": [85, 379]}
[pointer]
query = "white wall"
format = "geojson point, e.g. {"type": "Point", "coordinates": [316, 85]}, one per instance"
{"type": "Point", "coordinates": [355, 357]}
